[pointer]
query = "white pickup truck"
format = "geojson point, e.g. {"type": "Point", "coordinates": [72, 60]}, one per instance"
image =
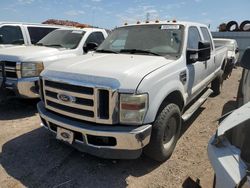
{"type": "Point", "coordinates": [16, 33]}
{"type": "Point", "coordinates": [22, 65]}
{"type": "Point", "coordinates": [134, 91]}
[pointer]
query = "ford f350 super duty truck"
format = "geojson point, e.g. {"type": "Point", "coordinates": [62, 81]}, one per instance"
{"type": "Point", "coordinates": [21, 66]}
{"type": "Point", "coordinates": [133, 92]}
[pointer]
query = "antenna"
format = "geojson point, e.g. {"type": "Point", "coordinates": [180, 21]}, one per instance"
{"type": "Point", "coordinates": [147, 17]}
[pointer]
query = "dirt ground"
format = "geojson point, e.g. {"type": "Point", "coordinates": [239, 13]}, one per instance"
{"type": "Point", "coordinates": [31, 157]}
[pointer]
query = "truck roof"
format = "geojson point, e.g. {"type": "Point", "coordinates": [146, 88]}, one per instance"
{"type": "Point", "coordinates": [82, 29]}
{"type": "Point", "coordinates": [31, 24]}
{"type": "Point", "coordinates": [174, 22]}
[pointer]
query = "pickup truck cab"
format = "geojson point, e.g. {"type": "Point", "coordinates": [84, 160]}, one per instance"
{"type": "Point", "coordinates": [15, 33]}
{"type": "Point", "coordinates": [133, 92]}
{"type": "Point", "coordinates": [22, 65]}
{"type": "Point", "coordinates": [228, 150]}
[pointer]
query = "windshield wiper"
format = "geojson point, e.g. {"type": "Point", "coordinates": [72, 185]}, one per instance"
{"type": "Point", "coordinates": [106, 51]}
{"type": "Point", "coordinates": [55, 45]}
{"type": "Point", "coordinates": [134, 51]}
{"type": "Point", "coordinates": [39, 44]}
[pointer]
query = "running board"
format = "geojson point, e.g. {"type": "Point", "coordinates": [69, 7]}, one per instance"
{"type": "Point", "coordinates": [196, 105]}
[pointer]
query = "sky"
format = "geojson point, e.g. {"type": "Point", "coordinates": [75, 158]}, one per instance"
{"type": "Point", "coordinates": [111, 13]}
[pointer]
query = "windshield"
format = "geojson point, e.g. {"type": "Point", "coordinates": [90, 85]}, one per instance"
{"type": "Point", "coordinates": [145, 39]}
{"type": "Point", "coordinates": [62, 39]}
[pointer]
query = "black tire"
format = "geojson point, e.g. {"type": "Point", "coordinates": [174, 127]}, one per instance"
{"type": "Point", "coordinates": [214, 182]}
{"type": "Point", "coordinates": [230, 24]}
{"type": "Point", "coordinates": [216, 84]}
{"type": "Point", "coordinates": [243, 24]}
{"type": "Point", "coordinates": [165, 133]}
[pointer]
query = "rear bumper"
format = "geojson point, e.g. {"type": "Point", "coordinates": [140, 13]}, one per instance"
{"type": "Point", "coordinates": [24, 87]}
{"type": "Point", "coordinates": [129, 140]}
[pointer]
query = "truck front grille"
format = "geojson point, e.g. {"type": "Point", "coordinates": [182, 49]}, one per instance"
{"type": "Point", "coordinates": [10, 69]}
{"type": "Point", "coordinates": [80, 102]}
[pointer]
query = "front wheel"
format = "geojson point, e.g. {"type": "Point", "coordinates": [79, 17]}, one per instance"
{"type": "Point", "coordinates": [165, 133]}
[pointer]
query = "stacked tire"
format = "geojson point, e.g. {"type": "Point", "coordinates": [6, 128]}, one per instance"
{"type": "Point", "coordinates": [234, 26]}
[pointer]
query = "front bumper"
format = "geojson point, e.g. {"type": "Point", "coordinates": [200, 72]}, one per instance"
{"type": "Point", "coordinates": [22, 87]}
{"type": "Point", "coordinates": [130, 140]}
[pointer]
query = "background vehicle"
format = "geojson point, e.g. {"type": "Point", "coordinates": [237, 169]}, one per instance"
{"type": "Point", "coordinates": [14, 33]}
{"type": "Point", "coordinates": [232, 54]}
{"type": "Point", "coordinates": [134, 91]}
{"type": "Point", "coordinates": [22, 65]}
{"type": "Point", "coordinates": [242, 38]}
{"type": "Point", "coordinates": [228, 150]}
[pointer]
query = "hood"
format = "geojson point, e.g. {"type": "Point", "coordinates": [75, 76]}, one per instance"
{"type": "Point", "coordinates": [125, 71]}
{"type": "Point", "coordinates": [8, 45]}
{"type": "Point", "coordinates": [28, 53]}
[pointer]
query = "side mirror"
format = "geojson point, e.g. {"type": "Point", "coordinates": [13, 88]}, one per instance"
{"type": "Point", "coordinates": [91, 46]}
{"type": "Point", "coordinates": [204, 51]}
{"type": "Point", "coordinates": [192, 56]}
{"type": "Point", "coordinates": [245, 60]}
{"type": "Point", "coordinates": [237, 50]}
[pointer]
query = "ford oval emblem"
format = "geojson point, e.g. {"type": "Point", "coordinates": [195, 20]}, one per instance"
{"type": "Point", "coordinates": [65, 98]}
{"type": "Point", "coordinates": [65, 135]}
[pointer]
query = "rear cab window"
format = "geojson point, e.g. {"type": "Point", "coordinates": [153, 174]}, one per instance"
{"type": "Point", "coordinates": [11, 35]}
{"type": "Point", "coordinates": [207, 36]}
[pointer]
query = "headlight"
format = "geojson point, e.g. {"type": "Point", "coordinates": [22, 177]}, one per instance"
{"type": "Point", "coordinates": [31, 69]}
{"type": "Point", "coordinates": [133, 108]}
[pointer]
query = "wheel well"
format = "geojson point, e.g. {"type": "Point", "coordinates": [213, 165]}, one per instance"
{"type": "Point", "coordinates": [174, 97]}
{"type": "Point", "coordinates": [223, 66]}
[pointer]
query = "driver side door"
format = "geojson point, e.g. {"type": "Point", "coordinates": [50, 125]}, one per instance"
{"type": "Point", "coordinates": [196, 71]}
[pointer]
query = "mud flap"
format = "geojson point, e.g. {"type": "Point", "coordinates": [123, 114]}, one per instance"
{"type": "Point", "coordinates": [2, 82]}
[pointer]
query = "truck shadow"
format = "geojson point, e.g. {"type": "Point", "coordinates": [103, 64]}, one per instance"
{"type": "Point", "coordinates": [229, 106]}
{"type": "Point", "coordinates": [15, 108]}
{"type": "Point", "coordinates": [186, 125]}
{"type": "Point", "coordinates": [36, 159]}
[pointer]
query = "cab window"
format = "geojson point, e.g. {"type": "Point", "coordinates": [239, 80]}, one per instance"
{"type": "Point", "coordinates": [206, 35]}
{"type": "Point", "coordinates": [193, 38]}
{"type": "Point", "coordinates": [11, 35]}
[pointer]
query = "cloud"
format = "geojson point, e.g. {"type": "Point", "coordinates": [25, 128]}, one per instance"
{"type": "Point", "coordinates": [26, 1]}
{"type": "Point", "coordinates": [197, 1]}
{"type": "Point", "coordinates": [74, 12]}
{"type": "Point", "coordinates": [96, 0]}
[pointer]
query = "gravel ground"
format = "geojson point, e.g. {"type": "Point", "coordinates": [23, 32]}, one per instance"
{"type": "Point", "coordinates": [30, 157]}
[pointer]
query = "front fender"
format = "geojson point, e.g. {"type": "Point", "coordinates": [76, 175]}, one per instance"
{"type": "Point", "coordinates": [157, 96]}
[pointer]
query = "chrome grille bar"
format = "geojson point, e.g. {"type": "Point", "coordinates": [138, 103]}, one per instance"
{"type": "Point", "coordinates": [85, 107]}
{"type": "Point", "coordinates": [12, 69]}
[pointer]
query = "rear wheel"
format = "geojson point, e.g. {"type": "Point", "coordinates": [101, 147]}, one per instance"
{"type": "Point", "coordinates": [165, 133]}
{"type": "Point", "coordinates": [217, 83]}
